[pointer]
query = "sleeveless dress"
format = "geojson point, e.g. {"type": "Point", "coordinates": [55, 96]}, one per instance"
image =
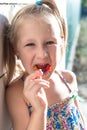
{"type": "Point", "coordinates": [64, 115]}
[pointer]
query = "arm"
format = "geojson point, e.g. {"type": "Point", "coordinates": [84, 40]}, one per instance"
{"type": "Point", "coordinates": [76, 100]}
{"type": "Point", "coordinates": [17, 97]}
{"type": "Point", "coordinates": [35, 95]}
{"type": "Point", "coordinates": [71, 78]}
{"type": "Point", "coordinates": [77, 103]}
{"type": "Point", "coordinates": [17, 108]}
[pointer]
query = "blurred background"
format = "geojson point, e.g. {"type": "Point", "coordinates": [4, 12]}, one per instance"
{"type": "Point", "coordinates": [75, 12]}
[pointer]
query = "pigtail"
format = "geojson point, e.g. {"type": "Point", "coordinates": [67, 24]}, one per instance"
{"type": "Point", "coordinates": [62, 22]}
{"type": "Point", "coordinates": [52, 5]}
{"type": "Point", "coordinates": [9, 61]}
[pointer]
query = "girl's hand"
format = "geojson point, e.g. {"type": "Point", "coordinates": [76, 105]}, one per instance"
{"type": "Point", "coordinates": [34, 92]}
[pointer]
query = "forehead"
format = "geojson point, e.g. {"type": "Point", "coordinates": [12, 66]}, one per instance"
{"type": "Point", "coordinates": [35, 22]}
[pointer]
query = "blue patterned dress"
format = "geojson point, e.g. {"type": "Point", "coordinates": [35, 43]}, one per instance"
{"type": "Point", "coordinates": [65, 115]}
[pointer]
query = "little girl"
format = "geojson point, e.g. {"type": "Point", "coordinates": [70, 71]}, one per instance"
{"type": "Point", "coordinates": [45, 96]}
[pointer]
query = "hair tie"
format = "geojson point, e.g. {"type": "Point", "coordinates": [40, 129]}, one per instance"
{"type": "Point", "coordinates": [39, 2]}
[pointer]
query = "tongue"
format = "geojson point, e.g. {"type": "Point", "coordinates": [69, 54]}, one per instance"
{"type": "Point", "coordinates": [44, 68]}
{"type": "Point", "coordinates": [47, 68]}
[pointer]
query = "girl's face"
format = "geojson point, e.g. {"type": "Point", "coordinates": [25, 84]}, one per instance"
{"type": "Point", "coordinates": [39, 44]}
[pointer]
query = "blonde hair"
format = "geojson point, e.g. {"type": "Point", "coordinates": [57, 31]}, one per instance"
{"type": "Point", "coordinates": [47, 8]}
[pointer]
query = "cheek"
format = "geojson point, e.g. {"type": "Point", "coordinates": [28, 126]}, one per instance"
{"type": "Point", "coordinates": [25, 60]}
{"type": "Point", "coordinates": [57, 55]}
{"type": "Point", "coordinates": [53, 55]}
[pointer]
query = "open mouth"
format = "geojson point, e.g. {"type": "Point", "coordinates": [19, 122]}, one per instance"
{"type": "Point", "coordinates": [44, 67]}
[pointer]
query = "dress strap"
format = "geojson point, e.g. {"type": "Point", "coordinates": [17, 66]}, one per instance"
{"type": "Point", "coordinates": [64, 81]}
{"type": "Point", "coordinates": [73, 93]}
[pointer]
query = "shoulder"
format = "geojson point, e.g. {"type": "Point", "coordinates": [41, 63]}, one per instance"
{"type": "Point", "coordinates": [15, 87]}
{"type": "Point", "coordinates": [71, 78]}
{"type": "Point", "coordinates": [69, 75]}
{"type": "Point", "coordinates": [14, 92]}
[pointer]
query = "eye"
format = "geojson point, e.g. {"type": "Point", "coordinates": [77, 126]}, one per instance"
{"type": "Point", "coordinates": [50, 42]}
{"type": "Point", "coordinates": [30, 44]}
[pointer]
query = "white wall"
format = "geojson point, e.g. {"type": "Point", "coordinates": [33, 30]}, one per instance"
{"type": "Point", "coordinates": [10, 7]}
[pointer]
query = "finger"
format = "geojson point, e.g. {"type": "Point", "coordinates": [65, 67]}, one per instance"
{"type": "Point", "coordinates": [41, 84]}
{"type": "Point", "coordinates": [37, 74]}
{"type": "Point", "coordinates": [35, 90]}
{"type": "Point", "coordinates": [34, 79]}
{"type": "Point", "coordinates": [36, 84]}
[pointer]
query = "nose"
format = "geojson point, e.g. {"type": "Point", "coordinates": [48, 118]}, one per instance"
{"type": "Point", "coordinates": [42, 52]}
